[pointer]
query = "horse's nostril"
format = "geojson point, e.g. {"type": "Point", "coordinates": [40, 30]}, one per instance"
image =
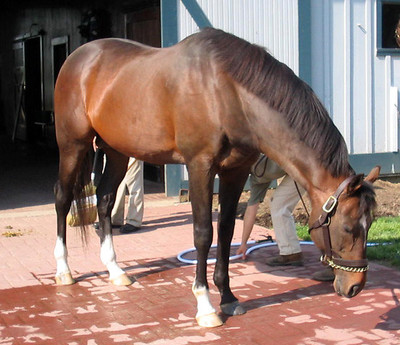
{"type": "Point", "coordinates": [354, 290]}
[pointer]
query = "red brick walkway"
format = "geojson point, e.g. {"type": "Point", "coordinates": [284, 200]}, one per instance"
{"type": "Point", "coordinates": [284, 305]}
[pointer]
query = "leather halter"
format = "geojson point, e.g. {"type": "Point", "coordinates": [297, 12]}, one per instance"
{"type": "Point", "coordinates": [324, 220]}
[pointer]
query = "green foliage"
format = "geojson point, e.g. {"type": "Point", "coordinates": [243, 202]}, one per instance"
{"type": "Point", "coordinates": [384, 234]}
{"type": "Point", "coordinates": [302, 232]}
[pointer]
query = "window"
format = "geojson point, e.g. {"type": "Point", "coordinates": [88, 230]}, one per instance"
{"type": "Point", "coordinates": [388, 30]}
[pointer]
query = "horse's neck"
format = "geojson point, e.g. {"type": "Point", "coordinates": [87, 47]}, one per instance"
{"type": "Point", "coordinates": [280, 142]}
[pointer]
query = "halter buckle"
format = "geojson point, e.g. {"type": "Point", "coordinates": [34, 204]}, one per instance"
{"type": "Point", "coordinates": [327, 207]}
{"type": "Point", "coordinates": [324, 260]}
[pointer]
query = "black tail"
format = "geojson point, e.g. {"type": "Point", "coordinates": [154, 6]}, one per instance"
{"type": "Point", "coordinates": [83, 209]}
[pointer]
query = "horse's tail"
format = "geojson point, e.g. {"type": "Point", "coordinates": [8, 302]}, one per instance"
{"type": "Point", "coordinates": [83, 209]}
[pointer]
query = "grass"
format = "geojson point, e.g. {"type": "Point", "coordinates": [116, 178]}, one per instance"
{"type": "Point", "coordinates": [384, 231]}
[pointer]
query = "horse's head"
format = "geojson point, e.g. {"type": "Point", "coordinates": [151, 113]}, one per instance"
{"type": "Point", "coordinates": [341, 232]}
{"type": "Point", "coordinates": [397, 33]}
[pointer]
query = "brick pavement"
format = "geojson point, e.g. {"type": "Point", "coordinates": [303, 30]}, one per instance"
{"type": "Point", "coordinates": [284, 305]}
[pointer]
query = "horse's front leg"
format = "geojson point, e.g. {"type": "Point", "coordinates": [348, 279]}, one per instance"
{"type": "Point", "coordinates": [114, 172]}
{"type": "Point", "coordinates": [201, 183]}
{"type": "Point", "coordinates": [231, 186]}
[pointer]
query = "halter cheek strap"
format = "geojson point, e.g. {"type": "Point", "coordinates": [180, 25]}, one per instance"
{"type": "Point", "coordinates": [328, 210]}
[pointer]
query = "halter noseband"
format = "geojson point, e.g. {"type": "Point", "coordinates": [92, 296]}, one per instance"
{"type": "Point", "coordinates": [324, 220]}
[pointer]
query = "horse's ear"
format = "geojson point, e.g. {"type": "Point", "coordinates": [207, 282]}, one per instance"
{"type": "Point", "coordinates": [374, 174]}
{"type": "Point", "coordinates": [358, 180]}
{"type": "Point", "coordinates": [355, 184]}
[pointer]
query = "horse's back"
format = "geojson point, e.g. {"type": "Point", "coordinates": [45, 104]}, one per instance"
{"type": "Point", "coordinates": [104, 55]}
{"type": "Point", "coordinates": [160, 105]}
{"type": "Point", "coordinates": [85, 78]}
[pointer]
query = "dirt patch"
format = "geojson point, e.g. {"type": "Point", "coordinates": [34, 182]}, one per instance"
{"type": "Point", "coordinates": [387, 196]}
{"type": "Point", "coordinates": [11, 232]}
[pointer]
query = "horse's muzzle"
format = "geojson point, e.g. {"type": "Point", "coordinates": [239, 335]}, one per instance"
{"type": "Point", "coordinates": [348, 285]}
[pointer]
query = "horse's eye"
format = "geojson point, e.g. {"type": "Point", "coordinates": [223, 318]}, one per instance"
{"type": "Point", "coordinates": [347, 229]}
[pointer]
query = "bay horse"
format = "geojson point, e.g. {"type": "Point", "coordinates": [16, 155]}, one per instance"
{"type": "Point", "coordinates": [212, 102]}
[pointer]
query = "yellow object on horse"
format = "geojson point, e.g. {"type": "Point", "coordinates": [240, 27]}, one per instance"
{"type": "Point", "coordinates": [89, 206]}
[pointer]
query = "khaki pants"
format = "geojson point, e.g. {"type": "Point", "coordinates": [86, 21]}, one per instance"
{"type": "Point", "coordinates": [133, 182]}
{"type": "Point", "coordinates": [282, 204]}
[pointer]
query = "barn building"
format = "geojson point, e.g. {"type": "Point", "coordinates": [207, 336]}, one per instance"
{"type": "Point", "coordinates": [346, 50]}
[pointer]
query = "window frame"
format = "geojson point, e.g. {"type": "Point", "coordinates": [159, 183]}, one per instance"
{"type": "Point", "coordinates": [379, 11]}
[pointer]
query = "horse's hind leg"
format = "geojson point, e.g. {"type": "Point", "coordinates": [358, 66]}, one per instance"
{"type": "Point", "coordinates": [231, 186]}
{"type": "Point", "coordinates": [114, 172]}
{"type": "Point", "coordinates": [201, 186]}
{"type": "Point", "coordinates": [70, 161]}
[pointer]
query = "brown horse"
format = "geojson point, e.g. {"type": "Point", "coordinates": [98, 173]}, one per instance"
{"type": "Point", "coordinates": [212, 102]}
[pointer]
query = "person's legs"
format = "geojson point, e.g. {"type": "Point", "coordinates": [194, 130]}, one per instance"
{"type": "Point", "coordinates": [117, 214]}
{"type": "Point", "coordinates": [134, 183]}
{"type": "Point", "coordinates": [283, 202]}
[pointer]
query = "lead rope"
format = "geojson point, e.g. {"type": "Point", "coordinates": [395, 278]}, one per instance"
{"type": "Point", "coordinates": [301, 198]}
{"type": "Point", "coordinates": [258, 163]}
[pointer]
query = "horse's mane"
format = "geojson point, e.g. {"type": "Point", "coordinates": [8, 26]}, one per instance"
{"type": "Point", "coordinates": [260, 73]}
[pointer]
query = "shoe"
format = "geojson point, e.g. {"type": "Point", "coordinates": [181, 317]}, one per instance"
{"type": "Point", "coordinates": [128, 229]}
{"type": "Point", "coordinates": [326, 275]}
{"type": "Point", "coordinates": [286, 260]}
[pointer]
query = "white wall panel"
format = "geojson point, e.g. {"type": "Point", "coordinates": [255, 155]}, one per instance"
{"type": "Point", "coordinates": [358, 87]}
{"type": "Point", "coordinates": [272, 24]}
{"type": "Point", "coordinates": [360, 84]}
{"type": "Point", "coordinates": [355, 84]}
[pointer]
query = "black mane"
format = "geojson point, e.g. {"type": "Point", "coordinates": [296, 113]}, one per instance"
{"type": "Point", "coordinates": [260, 73]}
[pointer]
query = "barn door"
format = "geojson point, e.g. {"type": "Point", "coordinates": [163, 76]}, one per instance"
{"type": "Point", "coordinates": [143, 25]}
{"type": "Point", "coordinates": [59, 52]}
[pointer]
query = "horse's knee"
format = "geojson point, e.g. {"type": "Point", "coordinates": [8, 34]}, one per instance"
{"type": "Point", "coordinates": [105, 205]}
{"type": "Point", "coordinates": [62, 200]}
{"type": "Point", "coordinates": [203, 238]}
{"type": "Point", "coordinates": [56, 188]}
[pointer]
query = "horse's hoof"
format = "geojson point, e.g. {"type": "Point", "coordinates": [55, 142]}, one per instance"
{"type": "Point", "coordinates": [65, 279]}
{"type": "Point", "coordinates": [122, 280]}
{"type": "Point", "coordinates": [233, 308]}
{"type": "Point", "coordinates": [209, 320]}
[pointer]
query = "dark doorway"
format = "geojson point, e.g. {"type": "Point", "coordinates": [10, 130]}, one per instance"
{"type": "Point", "coordinates": [29, 87]}
{"type": "Point", "coordinates": [33, 77]}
